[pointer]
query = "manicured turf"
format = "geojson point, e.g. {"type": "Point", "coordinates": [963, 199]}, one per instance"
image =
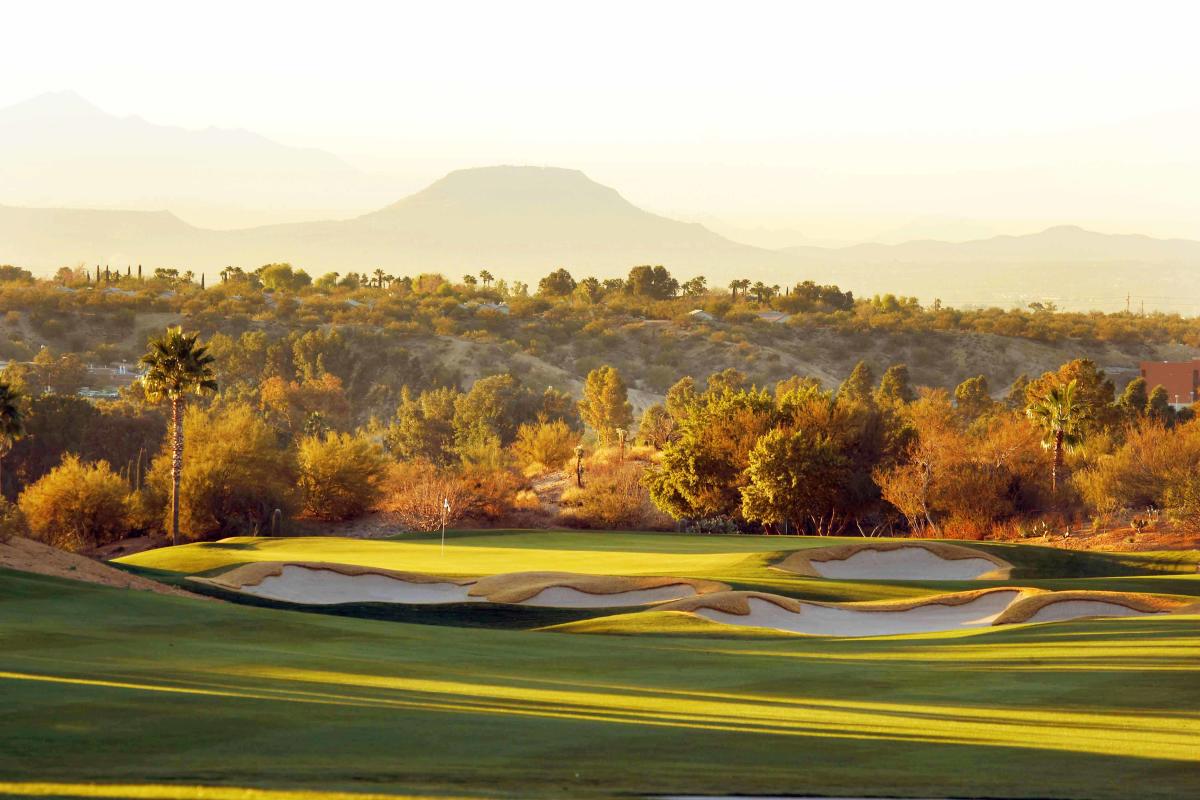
{"type": "Point", "coordinates": [114, 687]}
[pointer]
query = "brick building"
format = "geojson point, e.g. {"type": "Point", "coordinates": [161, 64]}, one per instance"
{"type": "Point", "coordinates": [1181, 379]}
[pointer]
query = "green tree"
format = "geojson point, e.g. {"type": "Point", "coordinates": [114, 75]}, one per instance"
{"type": "Point", "coordinates": [795, 477]}
{"type": "Point", "coordinates": [487, 417]}
{"type": "Point", "coordinates": [282, 277]}
{"type": "Point", "coordinates": [605, 404]}
{"type": "Point", "coordinates": [1062, 418]}
{"type": "Point", "coordinates": [1134, 399]}
{"type": "Point", "coordinates": [858, 385]}
{"type": "Point", "coordinates": [1158, 406]}
{"type": "Point", "coordinates": [895, 387]}
{"type": "Point", "coordinates": [656, 426]}
{"type": "Point", "coordinates": [177, 365]}
{"type": "Point", "coordinates": [973, 398]}
{"type": "Point", "coordinates": [423, 427]}
{"type": "Point", "coordinates": [703, 468]}
{"type": "Point", "coordinates": [12, 421]}
{"type": "Point", "coordinates": [557, 284]}
{"type": "Point", "coordinates": [652, 282]}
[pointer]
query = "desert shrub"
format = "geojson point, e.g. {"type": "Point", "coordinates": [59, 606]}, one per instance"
{"type": "Point", "coordinates": [1182, 499]}
{"type": "Point", "coordinates": [548, 444]}
{"type": "Point", "coordinates": [340, 475]}
{"type": "Point", "coordinates": [12, 521]}
{"type": "Point", "coordinates": [235, 473]}
{"type": "Point", "coordinates": [77, 505]}
{"type": "Point", "coordinates": [1138, 474]}
{"type": "Point", "coordinates": [613, 497]}
{"type": "Point", "coordinates": [414, 492]}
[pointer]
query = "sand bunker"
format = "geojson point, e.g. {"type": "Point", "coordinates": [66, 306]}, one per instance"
{"type": "Point", "coordinates": [899, 561]}
{"type": "Point", "coordinates": [328, 584]}
{"type": "Point", "coordinates": [314, 583]}
{"type": "Point", "coordinates": [1074, 609]}
{"type": "Point", "coordinates": [944, 613]}
{"type": "Point", "coordinates": [948, 612]}
{"type": "Point", "coordinates": [1075, 604]}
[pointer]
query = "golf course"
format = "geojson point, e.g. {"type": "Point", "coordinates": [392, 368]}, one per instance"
{"type": "Point", "coordinates": [606, 664]}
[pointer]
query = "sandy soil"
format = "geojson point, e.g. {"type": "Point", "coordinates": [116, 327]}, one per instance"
{"type": "Point", "coordinates": [30, 556]}
{"type": "Point", "coordinates": [829, 621]}
{"type": "Point", "coordinates": [905, 563]}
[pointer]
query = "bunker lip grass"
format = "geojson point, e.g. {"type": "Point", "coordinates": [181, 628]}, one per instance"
{"type": "Point", "coordinates": [902, 560]}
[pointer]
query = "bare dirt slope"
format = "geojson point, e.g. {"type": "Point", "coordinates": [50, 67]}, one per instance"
{"type": "Point", "coordinates": [27, 555]}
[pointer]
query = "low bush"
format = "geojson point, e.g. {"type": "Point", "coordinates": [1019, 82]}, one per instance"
{"type": "Point", "coordinates": [77, 505]}
{"type": "Point", "coordinates": [340, 475]}
{"type": "Point", "coordinates": [613, 498]}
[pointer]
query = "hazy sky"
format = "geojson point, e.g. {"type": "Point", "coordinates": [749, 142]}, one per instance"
{"type": "Point", "coordinates": [841, 120]}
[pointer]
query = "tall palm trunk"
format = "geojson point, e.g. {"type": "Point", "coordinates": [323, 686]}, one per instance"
{"type": "Point", "coordinates": [1058, 462]}
{"type": "Point", "coordinates": [176, 463]}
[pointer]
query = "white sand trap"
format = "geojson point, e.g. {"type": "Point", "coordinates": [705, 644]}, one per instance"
{"type": "Point", "coordinates": [1074, 609]}
{"type": "Point", "coordinates": [903, 564]}
{"type": "Point", "coordinates": [825, 621]}
{"type": "Point", "coordinates": [566, 597]}
{"type": "Point", "coordinates": [324, 587]}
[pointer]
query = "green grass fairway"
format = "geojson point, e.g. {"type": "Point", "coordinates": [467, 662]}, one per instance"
{"type": "Point", "coordinates": [107, 693]}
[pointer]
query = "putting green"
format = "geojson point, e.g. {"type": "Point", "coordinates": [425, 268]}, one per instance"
{"type": "Point", "coordinates": [129, 689]}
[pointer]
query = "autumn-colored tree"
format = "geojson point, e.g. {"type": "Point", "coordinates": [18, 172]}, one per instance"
{"type": "Point", "coordinates": [305, 407]}
{"type": "Point", "coordinates": [605, 405]}
{"type": "Point", "coordinates": [236, 475]}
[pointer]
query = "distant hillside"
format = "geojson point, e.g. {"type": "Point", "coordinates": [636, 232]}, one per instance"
{"type": "Point", "coordinates": [522, 222]}
{"type": "Point", "coordinates": [519, 222]}
{"type": "Point", "coordinates": [1073, 267]}
{"type": "Point", "coordinates": [59, 150]}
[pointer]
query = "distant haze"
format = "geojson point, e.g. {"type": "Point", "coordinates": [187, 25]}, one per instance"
{"type": "Point", "coordinates": [840, 122]}
{"type": "Point", "coordinates": [520, 222]}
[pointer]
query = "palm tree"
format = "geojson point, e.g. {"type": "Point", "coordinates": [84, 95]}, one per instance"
{"type": "Point", "coordinates": [12, 422]}
{"type": "Point", "coordinates": [485, 278]}
{"type": "Point", "coordinates": [379, 276]}
{"type": "Point", "coordinates": [177, 365]}
{"type": "Point", "coordinates": [1061, 417]}
{"type": "Point", "coordinates": [734, 285]}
